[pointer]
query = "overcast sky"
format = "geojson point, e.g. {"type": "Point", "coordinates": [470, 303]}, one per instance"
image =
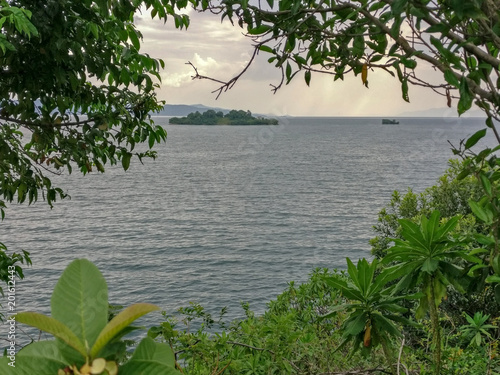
{"type": "Point", "coordinates": [220, 50]}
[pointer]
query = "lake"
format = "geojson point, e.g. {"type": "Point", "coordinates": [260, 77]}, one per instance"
{"type": "Point", "coordinates": [230, 213]}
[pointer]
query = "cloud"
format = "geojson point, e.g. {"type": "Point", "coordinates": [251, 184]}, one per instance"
{"type": "Point", "coordinates": [220, 50]}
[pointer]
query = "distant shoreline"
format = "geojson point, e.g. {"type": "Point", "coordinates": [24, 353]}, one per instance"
{"type": "Point", "coordinates": [213, 118]}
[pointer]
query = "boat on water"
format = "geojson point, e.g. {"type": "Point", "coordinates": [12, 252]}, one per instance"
{"type": "Point", "coordinates": [386, 121]}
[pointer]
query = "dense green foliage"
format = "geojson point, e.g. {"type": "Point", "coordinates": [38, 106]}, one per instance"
{"type": "Point", "coordinates": [450, 196]}
{"type": "Point", "coordinates": [86, 342]}
{"type": "Point", "coordinates": [211, 117]}
{"type": "Point", "coordinates": [297, 335]}
{"type": "Point", "coordinates": [75, 92]}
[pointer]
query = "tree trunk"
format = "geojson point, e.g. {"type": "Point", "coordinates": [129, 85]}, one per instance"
{"type": "Point", "coordinates": [436, 329]}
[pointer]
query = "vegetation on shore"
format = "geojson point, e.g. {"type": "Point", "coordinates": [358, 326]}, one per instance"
{"type": "Point", "coordinates": [211, 117]}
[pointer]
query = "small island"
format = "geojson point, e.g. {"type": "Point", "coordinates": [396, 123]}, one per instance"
{"type": "Point", "coordinates": [212, 117]}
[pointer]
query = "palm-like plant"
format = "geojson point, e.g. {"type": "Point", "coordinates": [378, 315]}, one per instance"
{"type": "Point", "coordinates": [477, 329]}
{"type": "Point", "coordinates": [428, 258]}
{"type": "Point", "coordinates": [374, 310]}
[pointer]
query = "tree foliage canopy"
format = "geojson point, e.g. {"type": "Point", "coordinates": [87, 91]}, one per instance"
{"type": "Point", "coordinates": [75, 91]}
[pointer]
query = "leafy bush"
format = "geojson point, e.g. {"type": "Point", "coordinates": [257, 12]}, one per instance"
{"type": "Point", "coordinates": [86, 343]}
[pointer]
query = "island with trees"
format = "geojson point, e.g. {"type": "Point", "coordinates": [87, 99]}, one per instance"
{"type": "Point", "coordinates": [212, 117]}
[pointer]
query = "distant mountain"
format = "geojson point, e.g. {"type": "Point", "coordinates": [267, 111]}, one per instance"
{"type": "Point", "coordinates": [184, 109]}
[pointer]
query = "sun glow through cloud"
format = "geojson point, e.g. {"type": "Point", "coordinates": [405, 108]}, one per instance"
{"type": "Point", "coordinates": [220, 50]}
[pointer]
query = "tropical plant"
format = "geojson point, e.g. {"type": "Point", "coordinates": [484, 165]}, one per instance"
{"type": "Point", "coordinates": [86, 343]}
{"type": "Point", "coordinates": [450, 196]}
{"type": "Point", "coordinates": [375, 311]}
{"type": "Point", "coordinates": [476, 331]}
{"type": "Point", "coordinates": [428, 258]}
{"type": "Point", "coordinates": [288, 338]}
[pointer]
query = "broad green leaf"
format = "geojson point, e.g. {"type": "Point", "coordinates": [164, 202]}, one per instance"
{"type": "Point", "coordinates": [431, 226]}
{"type": "Point", "coordinates": [447, 227]}
{"type": "Point", "coordinates": [266, 49]}
{"type": "Point", "coordinates": [341, 285]}
{"type": "Point", "coordinates": [479, 251]}
{"type": "Point", "coordinates": [40, 358]}
{"type": "Point", "coordinates": [384, 325]}
{"type": "Point", "coordinates": [430, 265]}
{"type": "Point", "coordinates": [355, 324]}
{"type": "Point", "coordinates": [149, 349]}
{"type": "Point", "coordinates": [397, 6]}
{"type": "Point", "coordinates": [126, 156]}
{"type": "Point", "coordinates": [54, 327]}
{"type": "Point", "coordinates": [134, 38]}
{"type": "Point", "coordinates": [450, 77]}
{"type": "Point", "coordinates": [353, 273]}
{"type": "Point", "coordinates": [493, 279]}
{"type": "Point", "coordinates": [335, 309]}
{"type": "Point", "coordinates": [486, 183]}
{"type": "Point", "coordinates": [80, 300]}
{"type": "Point", "coordinates": [119, 322]}
{"type": "Point", "coordinates": [481, 213]}
{"type": "Point", "coordinates": [476, 137]}
{"type": "Point", "coordinates": [422, 308]}
{"type": "Point", "coordinates": [365, 274]}
{"type": "Point", "coordinates": [151, 358]}
{"type": "Point", "coordinates": [411, 234]}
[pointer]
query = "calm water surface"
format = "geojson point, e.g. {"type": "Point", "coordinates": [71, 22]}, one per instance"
{"type": "Point", "coordinates": [230, 214]}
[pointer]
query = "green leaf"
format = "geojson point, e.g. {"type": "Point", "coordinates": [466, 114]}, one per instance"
{"type": "Point", "coordinates": [54, 327]}
{"type": "Point", "coordinates": [133, 35]}
{"type": "Point", "coordinates": [430, 265]}
{"type": "Point", "coordinates": [307, 77]}
{"type": "Point", "coordinates": [259, 30]}
{"type": "Point", "coordinates": [266, 49]}
{"type": "Point", "coordinates": [397, 6]}
{"type": "Point", "coordinates": [450, 77]}
{"type": "Point", "coordinates": [466, 97]}
{"type": "Point", "coordinates": [481, 213]}
{"type": "Point", "coordinates": [353, 273]}
{"type": "Point", "coordinates": [486, 183]}
{"type": "Point", "coordinates": [150, 358]}
{"type": "Point", "coordinates": [476, 137]}
{"type": "Point", "coordinates": [119, 322]}
{"type": "Point", "coordinates": [355, 324]}
{"type": "Point", "coordinates": [493, 279]}
{"type": "Point", "coordinates": [126, 156]}
{"type": "Point", "coordinates": [80, 300]}
{"type": "Point", "coordinates": [40, 358]}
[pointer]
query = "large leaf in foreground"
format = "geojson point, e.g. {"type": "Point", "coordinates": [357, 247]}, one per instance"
{"type": "Point", "coordinates": [151, 358]}
{"type": "Point", "coordinates": [40, 358]}
{"type": "Point", "coordinates": [80, 300]}
{"type": "Point", "coordinates": [54, 327]}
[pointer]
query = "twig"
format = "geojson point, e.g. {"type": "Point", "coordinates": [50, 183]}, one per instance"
{"type": "Point", "coordinates": [61, 125]}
